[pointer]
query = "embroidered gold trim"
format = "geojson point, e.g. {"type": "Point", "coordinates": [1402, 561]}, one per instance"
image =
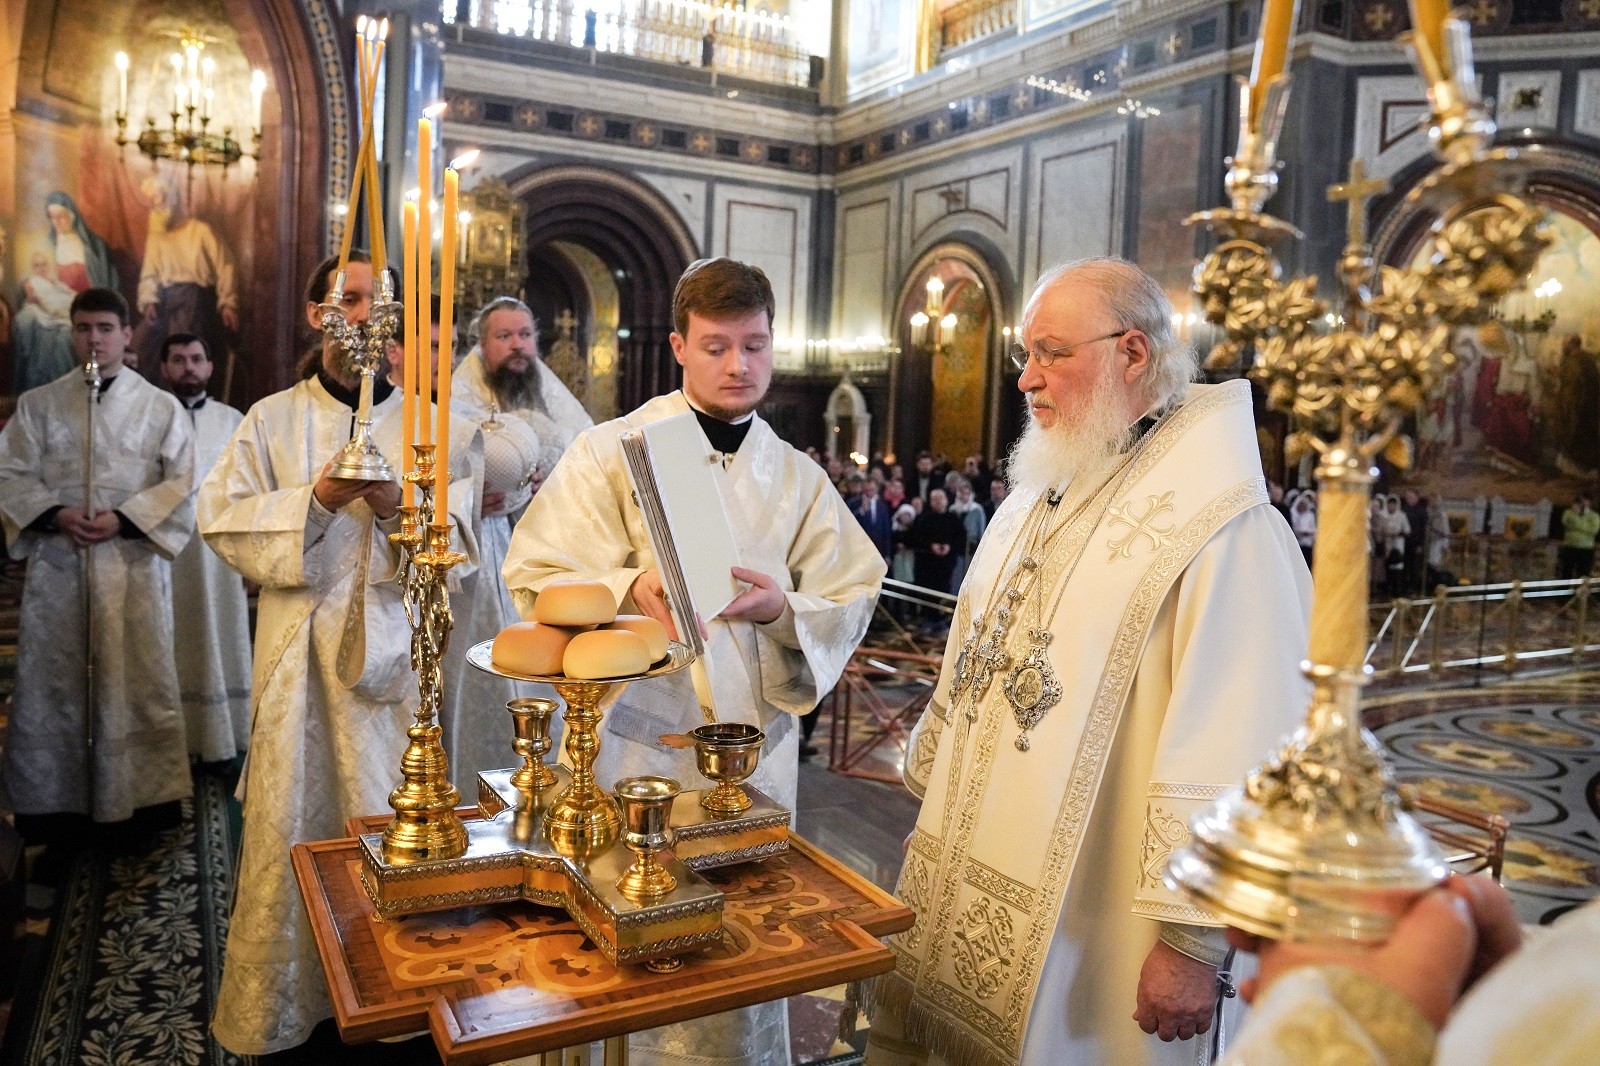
{"type": "Point", "coordinates": [1164, 832]}
{"type": "Point", "coordinates": [999, 885]}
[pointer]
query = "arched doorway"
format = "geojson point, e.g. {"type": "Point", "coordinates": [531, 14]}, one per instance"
{"type": "Point", "coordinates": [59, 150]}
{"type": "Point", "coordinates": [608, 248]}
{"type": "Point", "coordinates": [948, 387]}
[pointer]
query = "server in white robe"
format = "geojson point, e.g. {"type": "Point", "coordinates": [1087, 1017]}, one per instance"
{"type": "Point", "coordinates": [528, 418]}
{"type": "Point", "coordinates": [208, 598]}
{"type": "Point", "coordinates": [778, 648]}
{"type": "Point", "coordinates": [1125, 647]}
{"type": "Point", "coordinates": [144, 514]}
{"type": "Point", "coordinates": [330, 707]}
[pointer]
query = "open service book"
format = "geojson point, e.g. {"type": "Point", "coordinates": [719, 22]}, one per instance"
{"type": "Point", "coordinates": [671, 465]}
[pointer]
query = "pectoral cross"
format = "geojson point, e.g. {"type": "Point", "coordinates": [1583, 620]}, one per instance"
{"type": "Point", "coordinates": [1356, 192]}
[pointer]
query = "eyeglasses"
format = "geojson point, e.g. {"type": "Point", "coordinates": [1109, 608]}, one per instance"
{"type": "Point", "coordinates": [1020, 353]}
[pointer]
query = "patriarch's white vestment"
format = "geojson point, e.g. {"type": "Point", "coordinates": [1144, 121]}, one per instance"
{"type": "Point", "coordinates": [1176, 641]}
{"type": "Point", "coordinates": [144, 469]}
{"type": "Point", "coordinates": [212, 613]}
{"type": "Point", "coordinates": [477, 729]}
{"type": "Point", "coordinates": [789, 523]}
{"type": "Point", "coordinates": [321, 751]}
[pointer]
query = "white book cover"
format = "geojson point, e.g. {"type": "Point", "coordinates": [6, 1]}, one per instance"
{"type": "Point", "coordinates": [673, 471]}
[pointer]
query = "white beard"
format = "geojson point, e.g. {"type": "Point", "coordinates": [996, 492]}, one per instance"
{"type": "Point", "coordinates": [1080, 441]}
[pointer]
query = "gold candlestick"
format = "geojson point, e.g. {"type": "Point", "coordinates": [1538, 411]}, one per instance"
{"type": "Point", "coordinates": [1315, 844]}
{"type": "Point", "coordinates": [425, 825]}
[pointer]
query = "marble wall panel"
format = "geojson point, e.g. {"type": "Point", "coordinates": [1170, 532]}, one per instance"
{"type": "Point", "coordinates": [773, 231]}
{"type": "Point", "coordinates": [1076, 199]}
{"type": "Point", "coordinates": [865, 259]}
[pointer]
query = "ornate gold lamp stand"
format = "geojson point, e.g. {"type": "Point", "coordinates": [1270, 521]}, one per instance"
{"type": "Point", "coordinates": [425, 825]}
{"type": "Point", "coordinates": [1315, 843]}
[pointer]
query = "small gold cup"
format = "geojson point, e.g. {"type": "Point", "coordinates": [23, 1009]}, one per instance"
{"type": "Point", "coordinates": [530, 717]}
{"type": "Point", "coordinates": [646, 829]}
{"type": "Point", "coordinates": [727, 753]}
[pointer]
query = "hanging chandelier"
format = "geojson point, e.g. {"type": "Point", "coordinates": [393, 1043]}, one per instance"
{"type": "Point", "coordinates": [190, 138]}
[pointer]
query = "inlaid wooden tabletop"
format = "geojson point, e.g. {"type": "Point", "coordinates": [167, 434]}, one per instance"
{"type": "Point", "coordinates": [495, 982]}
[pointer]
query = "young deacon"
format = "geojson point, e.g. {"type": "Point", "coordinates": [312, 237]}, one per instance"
{"type": "Point", "coordinates": [142, 516]}
{"type": "Point", "coordinates": [811, 578]}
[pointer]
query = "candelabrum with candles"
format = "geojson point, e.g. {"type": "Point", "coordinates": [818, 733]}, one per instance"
{"type": "Point", "coordinates": [425, 825]}
{"type": "Point", "coordinates": [1315, 844]}
{"type": "Point", "coordinates": [190, 139]}
{"type": "Point", "coordinates": [366, 345]}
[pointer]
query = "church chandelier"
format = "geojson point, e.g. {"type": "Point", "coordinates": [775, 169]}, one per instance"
{"type": "Point", "coordinates": [194, 135]}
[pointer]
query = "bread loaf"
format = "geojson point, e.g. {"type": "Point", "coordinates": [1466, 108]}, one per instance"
{"type": "Point", "coordinates": [531, 648]}
{"type": "Point", "coordinates": [575, 603]}
{"type": "Point", "coordinates": [653, 632]}
{"type": "Point", "coordinates": [602, 653]}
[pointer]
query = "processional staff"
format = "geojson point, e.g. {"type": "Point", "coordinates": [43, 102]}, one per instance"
{"type": "Point", "coordinates": [91, 382]}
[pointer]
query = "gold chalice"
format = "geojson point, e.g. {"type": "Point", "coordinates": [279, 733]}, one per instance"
{"type": "Point", "coordinates": [646, 829]}
{"type": "Point", "coordinates": [727, 753]}
{"type": "Point", "coordinates": [530, 717]}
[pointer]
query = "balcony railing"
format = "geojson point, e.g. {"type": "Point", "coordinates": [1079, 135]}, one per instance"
{"type": "Point", "coordinates": [972, 20]}
{"type": "Point", "coordinates": [757, 46]}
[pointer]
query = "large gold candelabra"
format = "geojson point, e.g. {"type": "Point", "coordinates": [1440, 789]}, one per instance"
{"type": "Point", "coordinates": [425, 824]}
{"type": "Point", "coordinates": [1315, 844]}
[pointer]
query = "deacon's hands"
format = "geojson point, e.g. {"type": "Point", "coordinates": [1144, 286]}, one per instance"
{"type": "Point", "coordinates": [1447, 940]}
{"type": "Point", "coordinates": [1177, 996]}
{"type": "Point", "coordinates": [84, 531]}
{"type": "Point", "coordinates": [493, 502]}
{"type": "Point", "coordinates": [763, 601]}
{"type": "Point", "coordinates": [337, 493]}
{"type": "Point", "coordinates": [651, 599]}
{"type": "Point", "coordinates": [384, 498]}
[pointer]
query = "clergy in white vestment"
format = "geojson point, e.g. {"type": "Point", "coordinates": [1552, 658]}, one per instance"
{"type": "Point", "coordinates": [1459, 983]}
{"type": "Point", "coordinates": [143, 514]}
{"type": "Point", "coordinates": [208, 597]}
{"type": "Point", "coordinates": [334, 690]}
{"type": "Point", "coordinates": [528, 418]}
{"type": "Point", "coordinates": [777, 649]}
{"type": "Point", "coordinates": [1126, 645]}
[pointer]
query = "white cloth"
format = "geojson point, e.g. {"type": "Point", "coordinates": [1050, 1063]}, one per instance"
{"type": "Point", "coordinates": [320, 753]}
{"type": "Point", "coordinates": [144, 469]}
{"type": "Point", "coordinates": [477, 729]}
{"type": "Point", "coordinates": [1036, 875]}
{"type": "Point", "coordinates": [210, 607]}
{"type": "Point", "coordinates": [789, 523]}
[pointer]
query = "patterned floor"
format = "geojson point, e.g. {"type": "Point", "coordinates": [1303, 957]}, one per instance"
{"type": "Point", "coordinates": [1528, 751]}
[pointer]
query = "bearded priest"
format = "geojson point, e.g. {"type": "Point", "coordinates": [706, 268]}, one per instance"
{"type": "Point", "coordinates": [777, 649]}
{"type": "Point", "coordinates": [528, 418]}
{"type": "Point", "coordinates": [1126, 644]}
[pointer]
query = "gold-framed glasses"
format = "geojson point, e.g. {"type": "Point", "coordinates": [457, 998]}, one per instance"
{"type": "Point", "coordinates": [1019, 352]}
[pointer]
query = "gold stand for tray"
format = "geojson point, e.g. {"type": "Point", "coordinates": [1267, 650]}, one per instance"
{"type": "Point", "coordinates": [553, 836]}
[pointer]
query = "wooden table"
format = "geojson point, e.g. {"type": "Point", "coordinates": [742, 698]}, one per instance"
{"type": "Point", "coordinates": [497, 982]}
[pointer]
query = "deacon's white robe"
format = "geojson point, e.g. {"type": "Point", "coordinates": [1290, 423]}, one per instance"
{"type": "Point", "coordinates": [321, 752]}
{"type": "Point", "coordinates": [788, 522]}
{"type": "Point", "coordinates": [144, 468]}
{"type": "Point", "coordinates": [208, 601]}
{"type": "Point", "coordinates": [1541, 1005]}
{"type": "Point", "coordinates": [477, 729]}
{"type": "Point", "coordinates": [1037, 875]}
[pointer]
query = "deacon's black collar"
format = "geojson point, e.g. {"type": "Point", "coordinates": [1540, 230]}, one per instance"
{"type": "Point", "coordinates": [195, 404]}
{"type": "Point", "coordinates": [724, 437]}
{"type": "Point", "coordinates": [351, 398]}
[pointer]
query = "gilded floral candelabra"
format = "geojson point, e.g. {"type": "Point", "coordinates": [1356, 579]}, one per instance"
{"type": "Point", "coordinates": [1315, 843]}
{"type": "Point", "coordinates": [425, 824]}
{"type": "Point", "coordinates": [367, 345]}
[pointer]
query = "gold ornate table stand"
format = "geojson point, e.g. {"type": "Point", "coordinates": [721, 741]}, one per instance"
{"type": "Point", "coordinates": [557, 840]}
{"type": "Point", "coordinates": [1316, 843]}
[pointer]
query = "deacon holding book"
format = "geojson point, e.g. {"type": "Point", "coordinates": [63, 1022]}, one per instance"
{"type": "Point", "coordinates": [810, 577]}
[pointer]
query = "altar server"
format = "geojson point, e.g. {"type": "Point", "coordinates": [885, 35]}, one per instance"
{"type": "Point", "coordinates": [208, 597]}
{"type": "Point", "coordinates": [811, 577]}
{"type": "Point", "coordinates": [324, 748]}
{"type": "Point", "coordinates": [528, 418]}
{"type": "Point", "coordinates": [124, 755]}
{"type": "Point", "coordinates": [1126, 645]}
